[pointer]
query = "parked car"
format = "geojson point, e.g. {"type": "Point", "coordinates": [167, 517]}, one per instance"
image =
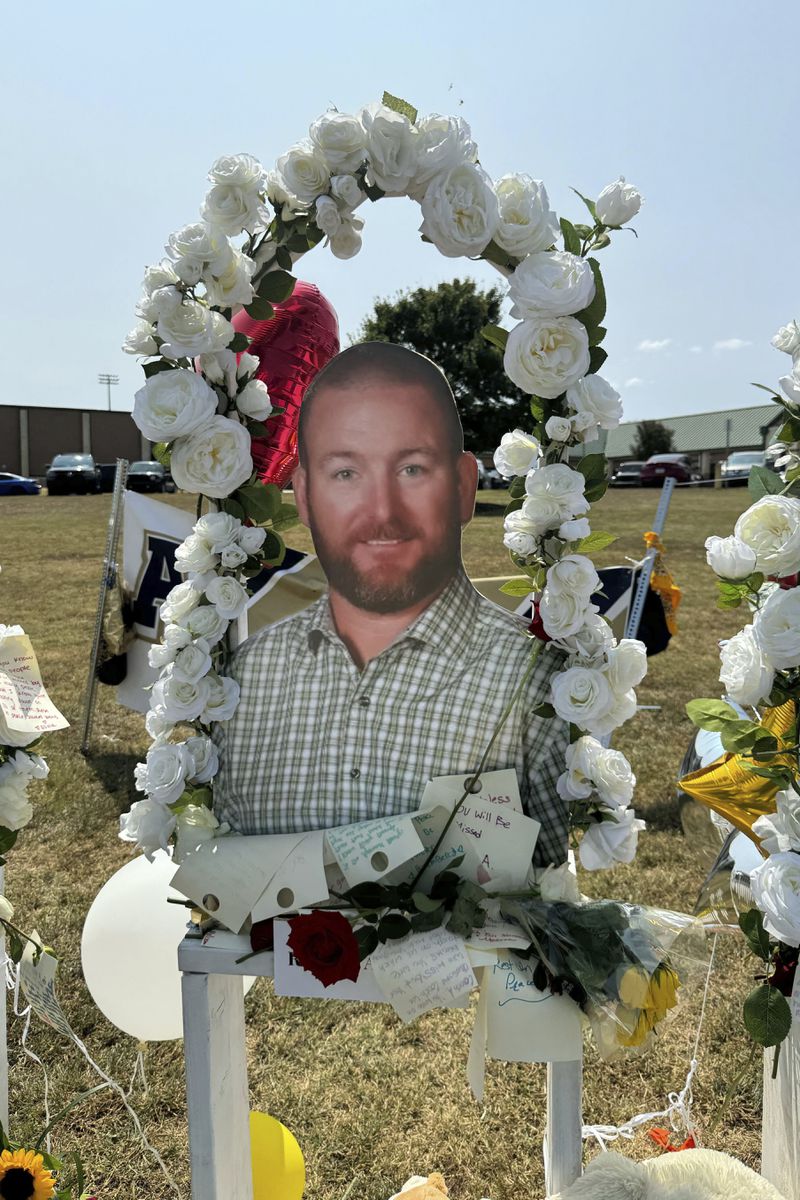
{"type": "Point", "coordinates": [18, 485]}
{"type": "Point", "coordinates": [627, 474]}
{"type": "Point", "coordinates": [72, 473]}
{"type": "Point", "coordinates": [108, 473]}
{"type": "Point", "coordinates": [736, 467]}
{"type": "Point", "coordinates": [661, 466]}
{"type": "Point", "coordinates": [146, 477]}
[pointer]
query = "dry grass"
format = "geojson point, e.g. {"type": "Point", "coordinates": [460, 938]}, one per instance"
{"type": "Point", "coordinates": [368, 1099]}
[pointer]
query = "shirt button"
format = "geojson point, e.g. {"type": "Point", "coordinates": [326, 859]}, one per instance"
{"type": "Point", "coordinates": [364, 702]}
{"type": "Point", "coordinates": [354, 774]}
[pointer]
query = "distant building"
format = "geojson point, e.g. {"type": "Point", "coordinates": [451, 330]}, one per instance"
{"type": "Point", "coordinates": [31, 437]}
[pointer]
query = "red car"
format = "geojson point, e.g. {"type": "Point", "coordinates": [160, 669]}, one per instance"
{"type": "Point", "coordinates": [661, 466]}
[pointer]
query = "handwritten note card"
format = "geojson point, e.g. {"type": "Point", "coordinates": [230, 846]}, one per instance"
{"type": "Point", "coordinates": [368, 850]}
{"type": "Point", "coordinates": [428, 970]}
{"type": "Point", "coordinates": [292, 980]}
{"type": "Point", "coordinates": [26, 710]}
{"type": "Point", "coordinates": [37, 981]}
{"type": "Point", "coordinates": [298, 882]}
{"type": "Point", "coordinates": [499, 787]}
{"type": "Point", "coordinates": [524, 1024]}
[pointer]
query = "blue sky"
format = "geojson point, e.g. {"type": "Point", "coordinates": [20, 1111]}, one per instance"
{"type": "Point", "coordinates": [115, 112]}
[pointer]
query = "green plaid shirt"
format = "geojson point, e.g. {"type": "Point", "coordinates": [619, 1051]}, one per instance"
{"type": "Point", "coordinates": [316, 742]}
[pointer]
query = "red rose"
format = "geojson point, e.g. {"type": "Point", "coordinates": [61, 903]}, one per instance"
{"type": "Point", "coordinates": [536, 627]}
{"type": "Point", "coordinates": [324, 944]}
{"type": "Point", "coordinates": [787, 582]}
{"type": "Point", "coordinates": [262, 935]}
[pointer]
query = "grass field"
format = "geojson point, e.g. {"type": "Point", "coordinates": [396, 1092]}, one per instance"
{"type": "Point", "coordinates": [371, 1101]}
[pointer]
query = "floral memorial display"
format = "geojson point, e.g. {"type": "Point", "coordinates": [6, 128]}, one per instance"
{"type": "Point", "coordinates": [756, 784]}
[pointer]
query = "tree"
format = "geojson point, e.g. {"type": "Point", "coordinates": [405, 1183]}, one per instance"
{"type": "Point", "coordinates": [652, 438]}
{"type": "Point", "coordinates": [445, 323]}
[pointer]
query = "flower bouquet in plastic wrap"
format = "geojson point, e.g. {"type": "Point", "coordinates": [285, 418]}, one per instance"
{"type": "Point", "coordinates": [624, 965]}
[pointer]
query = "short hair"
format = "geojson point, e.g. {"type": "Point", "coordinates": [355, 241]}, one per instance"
{"type": "Point", "coordinates": [385, 360]}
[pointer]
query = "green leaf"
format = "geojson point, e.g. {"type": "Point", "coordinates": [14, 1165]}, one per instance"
{"type": "Point", "coordinates": [276, 286]}
{"type": "Point", "coordinates": [763, 482]}
{"type": "Point", "coordinates": [374, 193]}
{"type": "Point", "coordinates": [425, 904]}
{"type": "Point", "coordinates": [393, 926]}
{"type": "Point", "coordinates": [596, 541]}
{"type": "Point", "coordinates": [594, 468]}
{"type": "Point", "coordinates": [286, 517]}
{"type": "Point", "coordinates": [369, 895]}
{"type": "Point", "coordinates": [789, 431]}
{"type": "Point", "coordinates": [399, 106]}
{"type": "Point", "coordinates": [283, 258]}
{"type": "Point", "coordinates": [713, 715]}
{"type": "Point", "coordinates": [593, 314]}
{"type": "Point", "coordinates": [517, 487]}
{"type": "Point", "coordinates": [7, 838]}
{"type": "Point", "coordinates": [596, 334]}
{"type": "Point", "coordinates": [517, 587]}
{"type": "Point", "coordinates": [597, 356]}
{"type": "Point", "coordinates": [162, 454]}
{"type": "Point", "coordinates": [575, 732]}
{"type": "Point", "coordinates": [767, 1016]}
{"type": "Point", "coordinates": [240, 343]}
{"type": "Point", "coordinates": [158, 365]}
{"type": "Point", "coordinates": [15, 945]}
{"type": "Point", "coordinates": [492, 253]}
{"type": "Point", "coordinates": [589, 204]}
{"type": "Point", "coordinates": [260, 309]}
{"type": "Point", "coordinates": [544, 710]}
{"type": "Point", "coordinates": [572, 241]}
{"type": "Point", "coordinates": [234, 508]}
{"type": "Point", "coordinates": [261, 501]}
{"type": "Point", "coordinates": [367, 939]}
{"type": "Point", "coordinates": [740, 737]}
{"type": "Point", "coordinates": [273, 551]}
{"type": "Point", "coordinates": [423, 922]}
{"type": "Point", "coordinates": [496, 335]}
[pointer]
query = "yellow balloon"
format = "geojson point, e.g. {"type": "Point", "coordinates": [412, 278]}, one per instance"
{"type": "Point", "coordinates": [279, 1172]}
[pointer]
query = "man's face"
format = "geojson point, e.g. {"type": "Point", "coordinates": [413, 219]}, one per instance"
{"type": "Point", "coordinates": [383, 493]}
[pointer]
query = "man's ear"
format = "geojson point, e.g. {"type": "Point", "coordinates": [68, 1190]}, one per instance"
{"type": "Point", "coordinates": [300, 486]}
{"type": "Point", "coordinates": [467, 468]}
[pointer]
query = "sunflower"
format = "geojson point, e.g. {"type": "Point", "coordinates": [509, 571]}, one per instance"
{"type": "Point", "coordinates": [23, 1176]}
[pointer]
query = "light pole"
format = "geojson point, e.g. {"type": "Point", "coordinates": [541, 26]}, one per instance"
{"type": "Point", "coordinates": [109, 381]}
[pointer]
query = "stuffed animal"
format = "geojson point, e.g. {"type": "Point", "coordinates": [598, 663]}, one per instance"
{"type": "Point", "coordinates": [687, 1175]}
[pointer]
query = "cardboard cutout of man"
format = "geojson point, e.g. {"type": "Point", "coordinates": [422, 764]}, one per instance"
{"type": "Point", "coordinates": [401, 672]}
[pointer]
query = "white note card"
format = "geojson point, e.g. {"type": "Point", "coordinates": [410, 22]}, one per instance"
{"type": "Point", "coordinates": [37, 981]}
{"type": "Point", "coordinates": [26, 710]}
{"type": "Point", "coordinates": [499, 787]}
{"type": "Point", "coordinates": [423, 971]}
{"type": "Point", "coordinates": [299, 881]}
{"type": "Point", "coordinates": [367, 850]}
{"type": "Point", "coordinates": [497, 838]}
{"type": "Point", "coordinates": [524, 1024]}
{"type": "Point", "coordinates": [293, 980]}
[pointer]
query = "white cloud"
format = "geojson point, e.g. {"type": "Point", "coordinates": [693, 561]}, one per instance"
{"type": "Point", "coordinates": [651, 345]}
{"type": "Point", "coordinates": [731, 344]}
{"type": "Point", "coordinates": [695, 349]}
{"type": "Point", "coordinates": [634, 381]}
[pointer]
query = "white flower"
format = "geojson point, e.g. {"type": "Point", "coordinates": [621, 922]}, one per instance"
{"type": "Point", "coordinates": [215, 461]}
{"type": "Point", "coordinates": [618, 203]}
{"type": "Point", "coordinates": [32, 765]}
{"type": "Point", "coordinates": [584, 427]}
{"type": "Point", "coordinates": [251, 538]}
{"type": "Point", "coordinates": [771, 527]}
{"type": "Point", "coordinates": [304, 172]}
{"type": "Point", "coordinates": [558, 429]}
{"type": "Point", "coordinates": [192, 662]}
{"type": "Point", "coordinates": [238, 170]}
{"type": "Point", "coordinates": [248, 364]}
{"type": "Point", "coordinates": [15, 808]}
{"type": "Point", "coordinates": [205, 760]}
{"type": "Point", "coordinates": [346, 242]}
{"type": "Point", "coordinates": [582, 696]}
{"type": "Point", "coordinates": [327, 215]}
{"type": "Point", "coordinates": [345, 190]}
{"type": "Point", "coordinates": [551, 283]}
{"type": "Point", "coordinates": [165, 772]}
{"type": "Point", "coordinates": [391, 142]}
{"type": "Point", "coordinates": [193, 247]}
{"type": "Point", "coordinates": [231, 282]}
{"type": "Point", "coordinates": [747, 677]}
{"type": "Point", "coordinates": [573, 573]}
{"type": "Point", "coordinates": [6, 909]}
{"type": "Point", "coordinates": [527, 223]}
{"type": "Point", "coordinates": [228, 596]}
{"type": "Point", "coordinates": [179, 603]}
{"type": "Point", "coordinates": [223, 697]}
{"type": "Point", "coordinates": [340, 140]}
{"type": "Point", "coordinates": [788, 339]}
{"type": "Point", "coordinates": [234, 203]}
{"type": "Point", "coordinates": [221, 367]}
{"type": "Point", "coordinates": [149, 825]}
{"type": "Point", "coordinates": [218, 529]}
{"type": "Point", "coordinates": [285, 202]}
{"type": "Point", "coordinates": [780, 831]}
{"type": "Point", "coordinates": [591, 642]}
{"type": "Point", "coordinates": [558, 883]}
{"type": "Point", "coordinates": [190, 329]}
{"type": "Point", "coordinates": [563, 613]}
{"type": "Point", "coordinates": [233, 557]}
{"type": "Point", "coordinates": [180, 701]}
{"type": "Point", "coordinates": [540, 514]}
{"type": "Point", "coordinates": [575, 531]}
{"type": "Point", "coordinates": [253, 401]}
{"type": "Point", "coordinates": [611, 842]}
{"type": "Point", "coordinates": [443, 142]}
{"type": "Point", "coordinates": [141, 339]}
{"type": "Point", "coordinates": [160, 275]}
{"type": "Point", "coordinates": [730, 557]}
{"type": "Point", "coordinates": [544, 356]}
{"type": "Point", "coordinates": [196, 824]}
{"type": "Point", "coordinates": [621, 710]}
{"type": "Point", "coordinates": [791, 383]}
{"type": "Point", "coordinates": [776, 891]}
{"type": "Point", "coordinates": [627, 664]}
{"type": "Point", "coordinates": [520, 535]}
{"type": "Point", "coordinates": [559, 483]}
{"type": "Point", "coordinates": [776, 628]}
{"type": "Point", "coordinates": [576, 782]}
{"type": "Point", "coordinates": [613, 778]}
{"type": "Point", "coordinates": [205, 622]}
{"type": "Point", "coordinates": [157, 725]}
{"type": "Point", "coordinates": [195, 556]}
{"type": "Point", "coordinates": [597, 399]}
{"type": "Point", "coordinates": [517, 453]}
{"type": "Point", "coordinates": [459, 211]}
{"type": "Point", "coordinates": [172, 404]}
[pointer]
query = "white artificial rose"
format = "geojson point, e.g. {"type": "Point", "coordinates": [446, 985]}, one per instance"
{"type": "Point", "coordinates": [228, 596]}
{"type": "Point", "coordinates": [540, 514]}
{"type": "Point", "coordinates": [221, 368]}
{"type": "Point", "coordinates": [618, 203]}
{"type": "Point", "coordinates": [443, 142]}
{"type": "Point", "coordinates": [165, 772]}
{"type": "Point", "coordinates": [563, 613]}
{"type": "Point", "coordinates": [459, 211]}
{"type": "Point", "coordinates": [340, 140]}
{"type": "Point", "coordinates": [551, 283]}
{"type": "Point", "coordinates": [544, 356]}
{"type": "Point", "coordinates": [231, 284]}
{"type": "Point", "coordinates": [584, 427]}
{"type": "Point", "coordinates": [251, 538]}
{"type": "Point", "coordinates": [6, 909]}
{"type": "Point", "coordinates": [613, 778]}
{"type": "Point", "coordinates": [172, 404]}
{"type": "Point", "coordinates": [346, 242]}
{"type": "Point", "coordinates": [238, 170]}
{"type": "Point", "coordinates": [776, 628]}
{"type": "Point", "coordinates": [787, 339]}
{"type": "Point", "coordinates": [575, 531]}
{"type": "Point", "coordinates": [573, 573]}
{"type": "Point", "coordinates": [591, 642]}
{"type": "Point", "coordinates": [391, 142]}
{"type": "Point", "coordinates": [517, 453]}
{"type": "Point", "coordinates": [15, 808]}
{"type": "Point", "coordinates": [581, 696]}
{"type": "Point", "coordinates": [521, 535]}
{"type": "Point", "coordinates": [223, 697]}
{"type": "Point", "coordinates": [205, 622]}
{"type": "Point", "coordinates": [157, 276]}
{"type": "Point", "coordinates": [576, 782]}
{"type": "Point", "coordinates": [191, 328]}
{"type": "Point", "coordinates": [32, 765]}
{"type": "Point", "coordinates": [253, 401]}
{"type": "Point", "coordinates": [558, 883]}
{"type": "Point", "coordinates": [192, 662]}
{"type": "Point", "coordinates": [196, 824]}
{"type": "Point", "coordinates": [248, 364]}
{"type": "Point", "coordinates": [771, 527]}
{"type": "Point", "coordinates": [776, 890]}
{"type": "Point", "coordinates": [180, 701]}
{"type": "Point", "coordinates": [627, 664]}
{"type": "Point", "coordinates": [622, 709]}
{"type": "Point", "coordinates": [747, 677]}
{"type": "Point", "coordinates": [790, 384]}
{"type": "Point", "coordinates": [179, 602]}
{"type": "Point", "coordinates": [597, 399]}
{"type": "Point", "coordinates": [149, 825]}
{"type": "Point", "coordinates": [304, 172]}
{"type": "Point", "coordinates": [780, 831]}
{"type": "Point", "coordinates": [205, 760]}
{"type": "Point", "coordinates": [141, 339]}
{"type": "Point", "coordinates": [234, 202]}
{"type": "Point", "coordinates": [157, 725]}
{"type": "Point", "coordinates": [610, 842]}
{"type": "Point", "coordinates": [730, 557]}
{"type": "Point", "coordinates": [558, 429]}
{"type": "Point", "coordinates": [559, 483]}
{"type": "Point", "coordinates": [233, 557]}
{"type": "Point", "coordinates": [194, 556]}
{"type": "Point", "coordinates": [345, 190]}
{"type": "Point", "coordinates": [327, 216]}
{"type": "Point", "coordinates": [527, 223]}
{"type": "Point", "coordinates": [192, 248]}
{"type": "Point", "coordinates": [215, 461]}
{"type": "Point", "coordinates": [286, 204]}
{"type": "Point", "coordinates": [218, 529]}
